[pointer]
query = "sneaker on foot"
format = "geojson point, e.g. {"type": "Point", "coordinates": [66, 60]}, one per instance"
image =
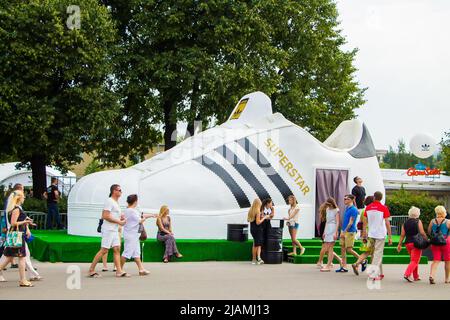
{"type": "Point", "coordinates": [253, 261]}
{"type": "Point", "coordinates": [260, 261]}
{"type": "Point", "coordinates": [364, 265]}
{"type": "Point", "coordinates": [341, 269]}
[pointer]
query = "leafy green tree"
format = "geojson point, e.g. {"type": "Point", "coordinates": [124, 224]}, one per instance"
{"type": "Point", "coordinates": [192, 60]}
{"type": "Point", "coordinates": [400, 158]}
{"type": "Point", "coordinates": [55, 95]}
{"type": "Point", "coordinates": [446, 153]}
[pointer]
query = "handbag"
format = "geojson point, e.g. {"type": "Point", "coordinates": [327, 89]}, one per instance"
{"type": "Point", "coordinates": [419, 241]}
{"type": "Point", "coordinates": [437, 238]}
{"type": "Point", "coordinates": [100, 223]}
{"type": "Point", "coordinates": [14, 239]}
{"type": "Point", "coordinates": [142, 231]}
{"type": "Point", "coordinates": [359, 226]}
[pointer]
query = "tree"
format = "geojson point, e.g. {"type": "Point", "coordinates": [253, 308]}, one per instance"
{"type": "Point", "coordinates": [400, 158]}
{"type": "Point", "coordinates": [55, 86]}
{"type": "Point", "coordinates": [446, 153]}
{"type": "Point", "coordinates": [192, 60]}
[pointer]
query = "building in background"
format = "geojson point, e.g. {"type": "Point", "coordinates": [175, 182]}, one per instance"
{"type": "Point", "coordinates": [437, 186]}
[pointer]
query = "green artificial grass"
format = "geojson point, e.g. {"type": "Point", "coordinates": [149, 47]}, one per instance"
{"type": "Point", "coordinates": [58, 246]}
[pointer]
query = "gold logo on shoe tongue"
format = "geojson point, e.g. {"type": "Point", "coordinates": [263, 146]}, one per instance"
{"type": "Point", "coordinates": [239, 109]}
{"type": "Point", "coordinates": [288, 166]}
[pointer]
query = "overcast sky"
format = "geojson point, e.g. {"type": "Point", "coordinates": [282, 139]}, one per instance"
{"type": "Point", "coordinates": [404, 60]}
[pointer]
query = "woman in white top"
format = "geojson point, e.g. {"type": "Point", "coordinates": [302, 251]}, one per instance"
{"type": "Point", "coordinates": [329, 211]}
{"type": "Point", "coordinates": [267, 211]}
{"type": "Point", "coordinates": [292, 223]}
{"type": "Point", "coordinates": [131, 234]}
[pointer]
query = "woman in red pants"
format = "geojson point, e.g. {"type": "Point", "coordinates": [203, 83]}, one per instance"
{"type": "Point", "coordinates": [411, 228]}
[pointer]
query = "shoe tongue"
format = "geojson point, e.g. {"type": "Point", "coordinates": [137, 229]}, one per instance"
{"type": "Point", "coordinates": [250, 107]}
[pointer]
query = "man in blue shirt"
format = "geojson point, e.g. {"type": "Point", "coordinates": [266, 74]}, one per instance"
{"type": "Point", "coordinates": [348, 231]}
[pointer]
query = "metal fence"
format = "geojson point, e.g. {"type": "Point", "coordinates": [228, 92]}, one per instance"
{"type": "Point", "coordinates": [40, 219]}
{"type": "Point", "coordinates": [397, 223]}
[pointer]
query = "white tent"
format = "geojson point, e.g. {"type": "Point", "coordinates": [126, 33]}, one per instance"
{"type": "Point", "coordinates": [9, 176]}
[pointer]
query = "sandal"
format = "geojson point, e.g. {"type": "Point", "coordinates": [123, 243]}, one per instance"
{"type": "Point", "coordinates": [123, 275]}
{"type": "Point", "coordinates": [26, 284]}
{"type": "Point", "coordinates": [2, 279]}
{"type": "Point", "coordinates": [292, 254]}
{"type": "Point", "coordinates": [144, 273]}
{"type": "Point", "coordinates": [324, 269]}
{"type": "Point", "coordinates": [94, 275]}
{"type": "Point", "coordinates": [432, 280]}
{"type": "Point", "coordinates": [407, 279]}
{"type": "Point", "coordinates": [179, 256]}
{"type": "Point", "coordinates": [166, 260]}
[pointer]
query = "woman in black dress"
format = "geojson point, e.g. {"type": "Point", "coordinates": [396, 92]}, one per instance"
{"type": "Point", "coordinates": [256, 220]}
{"type": "Point", "coordinates": [20, 222]}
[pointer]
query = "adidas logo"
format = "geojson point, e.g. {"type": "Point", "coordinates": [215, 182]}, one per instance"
{"type": "Point", "coordinates": [426, 147]}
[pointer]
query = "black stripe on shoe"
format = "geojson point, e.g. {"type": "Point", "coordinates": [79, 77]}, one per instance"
{"type": "Point", "coordinates": [265, 165]}
{"type": "Point", "coordinates": [232, 185]}
{"type": "Point", "coordinates": [244, 171]}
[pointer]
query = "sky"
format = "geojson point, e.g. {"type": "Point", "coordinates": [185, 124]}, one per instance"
{"type": "Point", "coordinates": [404, 61]}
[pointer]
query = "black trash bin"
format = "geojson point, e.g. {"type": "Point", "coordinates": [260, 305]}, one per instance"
{"type": "Point", "coordinates": [237, 232]}
{"type": "Point", "coordinates": [272, 251]}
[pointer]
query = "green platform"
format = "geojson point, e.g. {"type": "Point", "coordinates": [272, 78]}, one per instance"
{"type": "Point", "coordinates": [58, 246]}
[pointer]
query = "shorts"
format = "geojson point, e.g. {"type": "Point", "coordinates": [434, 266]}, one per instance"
{"type": "Point", "coordinates": [441, 252]}
{"type": "Point", "coordinates": [349, 240]}
{"type": "Point", "coordinates": [132, 247]}
{"type": "Point", "coordinates": [295, 226]}
{"type": "Point", "coordinates": [110, 239]}
{"type": "Point", "coordinates": [368, 247]}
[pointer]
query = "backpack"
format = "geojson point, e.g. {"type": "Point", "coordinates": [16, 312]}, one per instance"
{"type": "Point", "coordinates": [437, 237]}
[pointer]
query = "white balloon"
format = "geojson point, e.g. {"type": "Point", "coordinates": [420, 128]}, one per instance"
{"type": "Point", "coordinates": [423, 145]}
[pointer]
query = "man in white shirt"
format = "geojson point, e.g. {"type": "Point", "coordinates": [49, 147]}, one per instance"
{"type": "Point", "coordinates": [112, 219]}
{"type": "Point", "coordinates": [379, 226]}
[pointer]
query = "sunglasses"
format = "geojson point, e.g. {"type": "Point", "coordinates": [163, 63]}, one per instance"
{"type": "Point", "coordinates": [120, 190]}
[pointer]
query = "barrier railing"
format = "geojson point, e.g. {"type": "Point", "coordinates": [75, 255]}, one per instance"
{"type": "Point", "coordinates": [397, 223]}
{"type": "Point", "coordinates": [40, 218]}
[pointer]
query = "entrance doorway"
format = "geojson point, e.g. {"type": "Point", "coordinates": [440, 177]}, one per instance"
{"type": "Point", "coordinates": [330, 183]}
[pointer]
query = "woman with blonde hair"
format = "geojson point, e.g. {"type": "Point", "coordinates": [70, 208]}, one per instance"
{"type": "Point", "coordinates": [292, 223]}
{"type": "Point", "coordinates": [329, 212]}
{"type": "Point", "coordinates": [19, 221]}
{"type": "Point", "coordinates": [256, 219]}
{"type": "Point", "coordinates": [165, 234]}
{"type": "Point", "coordinates": [410, 229]}
{"type": "Point", "coordinates": [439, 228]}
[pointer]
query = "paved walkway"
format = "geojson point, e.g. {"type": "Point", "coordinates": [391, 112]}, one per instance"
{"type": "Point", "coordinates": [221, 280]}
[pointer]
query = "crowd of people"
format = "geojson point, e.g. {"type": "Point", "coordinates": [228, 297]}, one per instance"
{"type": "Point", "coordinates": [374, 226]}
{"type": "Point", "coordinates": [364, 217]}
{"type": "Point", "coordinates": [129, 224]}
